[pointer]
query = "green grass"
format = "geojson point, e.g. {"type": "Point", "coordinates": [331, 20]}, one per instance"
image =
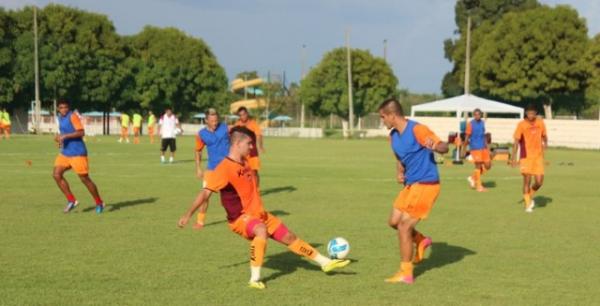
{"type": "Point", "coordinates": [487, 251]}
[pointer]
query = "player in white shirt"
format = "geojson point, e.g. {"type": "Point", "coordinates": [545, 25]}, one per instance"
{"type": "Point", "coordinates": [168, 128]}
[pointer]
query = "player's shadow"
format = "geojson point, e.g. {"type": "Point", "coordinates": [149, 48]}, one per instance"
{"type": "Point", "coordinates": [286, 262]}
{"type": "Point", "coordinates": [542, 201]}
{"type": "Point", "coordinates": [442, 254]}
{"type": "Point", "coordinates": [287, 189]}
{"type": "Point", "coordinates": [277, 213]}
{"type": "Point", "coordinates": [489, 184]}
{"type": "Point", "coordinates": [124, 204]}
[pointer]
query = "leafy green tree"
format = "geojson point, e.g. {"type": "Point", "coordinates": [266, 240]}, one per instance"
{"type": "Point", "coordinates": [325, 89]}
{"type": "Point", "coordinates": [172, 68]}
{"type": "Point", "coordinates": [481, 12]}
{"type": "Point", "coordinates": [591, 62]}
{"type": "Point", "coordinates": [534, 56]}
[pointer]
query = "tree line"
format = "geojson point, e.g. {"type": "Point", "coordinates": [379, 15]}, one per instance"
{"type": "Point", "coordinates": [523, 52]}
{"type": "Point", "coordinates": [84, 60]}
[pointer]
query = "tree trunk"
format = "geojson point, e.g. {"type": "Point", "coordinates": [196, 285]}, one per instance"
{"type": "Point", "coordinates": [548, 111]}
{"type": "Point", "coordinates": [345, 130]}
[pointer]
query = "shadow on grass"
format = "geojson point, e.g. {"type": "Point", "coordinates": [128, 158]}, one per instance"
{"type": "Point", "coordinates": [286, 262]}
{"type": "Point", "coordinates": [278, 190]}
{"type": "Point", "coordinates": [542, 201]}
{"type": "Point", "coordinates": [124, 204]}
{"type": "Point", "coordinates": [489, 184]}
{"type": "Point", "coordinates": [442, 254]}
{"type": "Point", "coordinates": [277, 213]}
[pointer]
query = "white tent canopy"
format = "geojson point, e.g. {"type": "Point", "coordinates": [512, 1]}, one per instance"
{"type": "Point", "coordinates": [467, 103]}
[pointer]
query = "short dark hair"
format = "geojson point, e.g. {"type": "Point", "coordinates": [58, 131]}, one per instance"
{"type": "Point", "coordinates": [477, 110]}
{"type": "Point", "coordinates": [63, 101]}
{"type": "Point", "coordinates": [391, 105]}
{"type": "Point", "coordinates": [531, 107]}
{"type": "Point", "coordinates": [237, 132]}
{"type": "Point", "coordinates": [242, 108]}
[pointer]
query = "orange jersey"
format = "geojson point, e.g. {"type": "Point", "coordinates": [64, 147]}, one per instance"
{"type": "Point", "coordinates": [199, 143]}
{"type": "Point", "coordinates": [530, 137]}
{"type": "Point", "coordinates": [239, 192]}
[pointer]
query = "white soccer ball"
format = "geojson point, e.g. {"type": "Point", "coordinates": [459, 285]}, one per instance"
{"type": "Point", "coordinates": [338, 248]}
{"type": "Point", "coordinates": [178, 131]}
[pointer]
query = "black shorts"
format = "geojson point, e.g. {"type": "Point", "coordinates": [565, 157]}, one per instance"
{"type": "Point", "coordinates": [168, 142]}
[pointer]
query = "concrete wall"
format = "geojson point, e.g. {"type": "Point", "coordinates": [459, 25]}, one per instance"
{"type": "Point", "coordinates": [584, 134]}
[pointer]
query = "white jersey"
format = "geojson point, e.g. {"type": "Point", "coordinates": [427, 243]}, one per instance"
{"type": "Point", "coordinates": [168, 124]}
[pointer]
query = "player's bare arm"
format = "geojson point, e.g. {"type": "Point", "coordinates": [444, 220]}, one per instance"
{"type": "Point", "coordinates": [202, 197]}
{"type": "Point", "coordinates": [399, 172]}
{"type": "Point", "coordinates": [259, 139]}
{"type": "Point", "coordinates": [199, 172]}
{"type": "Point", "coordinates": [513, 156]}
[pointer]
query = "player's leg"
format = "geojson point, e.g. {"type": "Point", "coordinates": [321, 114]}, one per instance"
{"type": "Point", "coordinates": [7, 132]}
{"type": "Point", "coordinates": [280, 233]}
{"type": "Point", "coordinates": [258, 247]}
{"type": "Point", "coordinates": [163, 148]}
{"type": "Point", "coordinates": [136, 135]}
{"type": "Point", "coordinates": [172, 148]}
{"type": "Point", "coordinates": [527, 192]}
{"type": "Point", "coordinates": [201, 216]}
{"type": "Point", "coordinates": [406, 235]}
{"type": "Point", "coordinates": [63, 185]}
{"type": "Point", "coordinates": [80, 166]}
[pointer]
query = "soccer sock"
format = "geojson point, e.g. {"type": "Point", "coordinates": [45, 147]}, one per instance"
{"type": "Point", "coordinates": [302, 248]}
{"type": "Point", "coordinates": [200, 218]}
{"type": "Point", "coordinates": [71, 197]}
{"type": "Point", "coordinates": [406, 268]}
{"type": "Point", "coordinates": [527, 199]}
{"type": "Point", "coordinates": [162, 158]}
{"type": "Point", "coordinates": [257, 255]}
{"type": "Point", "coordinates": [477, 178]}
{"type": "Point", "coordinates": [98, 200]}
{"type": "Point", "coordinates": [171, 159]}
{"type": "Point", "coordinates": [417, 237]}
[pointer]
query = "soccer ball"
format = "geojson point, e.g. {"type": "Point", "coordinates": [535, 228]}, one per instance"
{"type": "Point", "coordinates": [338, 248]}
{"type": "Point", "coordinates": [178, 131]}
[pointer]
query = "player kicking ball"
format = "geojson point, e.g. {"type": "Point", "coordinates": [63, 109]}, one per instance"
{"type": "Point", "coordinates": [246, 215]}
{"type": "Point", "coordinates": [413, 145]}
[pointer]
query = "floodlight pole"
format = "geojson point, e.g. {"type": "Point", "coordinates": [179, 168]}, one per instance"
{"type": "Point", "coordinates": [468, 56]}
{"type": "Point", "coordinates": [302, 109]}
{"type": "Point", "coordinates": [38, 108]}
{"type": "Point", "coordinates": [350, 103]}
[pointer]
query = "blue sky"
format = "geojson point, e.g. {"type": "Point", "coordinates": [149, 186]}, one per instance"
{"type": "Point", "coordinates": [267, 35]}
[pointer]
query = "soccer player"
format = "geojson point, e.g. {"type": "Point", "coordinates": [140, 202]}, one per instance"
{"type": "Point", "coordinates": [531, 137]}
{"type": "Point", "coordinates": [215, 137]}
{"type": "Point", "coordinates": [257, 139]}
{"type": "Point", "coordinates": [5, 123]}
{"type": "Point", "coordinates": [413, 145]}
{"type": "Point", "coordinates": [167, 126]}
{"type": "Point", "coordinates": [73, 154]}
{"type": "Point", "coordinates": [151, 125]}
{"type": "Point", "coordinates": [137, 126]}
{"type": "Point", "coordinates": [124, 128]}
{"type": "Point", "coordinates": [476, 140]}
{"type": "Point", "coordinates": [245, 212]}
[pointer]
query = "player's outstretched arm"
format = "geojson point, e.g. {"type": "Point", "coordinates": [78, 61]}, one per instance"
{"type": "Point", "coordinates": [202, 197]}
{"type": "Point", "coordinates": [513, 156]}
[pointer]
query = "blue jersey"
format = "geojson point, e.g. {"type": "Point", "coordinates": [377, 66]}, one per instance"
{"type": "Point", "coordinates": [476, 130]}
{"type": "Point", "coordinates": [67, 124]}
{"type": "Point", "coordinates": [418, 161]}
{"type": "Point", "coordinates": [217, 144]}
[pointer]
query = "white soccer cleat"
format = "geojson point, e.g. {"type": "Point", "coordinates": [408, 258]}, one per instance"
{"type": "Point", "coordinates": [532, 204]}
{"type": "Point", "coordinates": [529, 208]}
{"type": "Point", "coordinates": [471, 181]}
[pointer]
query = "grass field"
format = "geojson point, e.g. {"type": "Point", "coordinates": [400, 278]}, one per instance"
{"type": "Point", "coordinates": [486, 250]}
